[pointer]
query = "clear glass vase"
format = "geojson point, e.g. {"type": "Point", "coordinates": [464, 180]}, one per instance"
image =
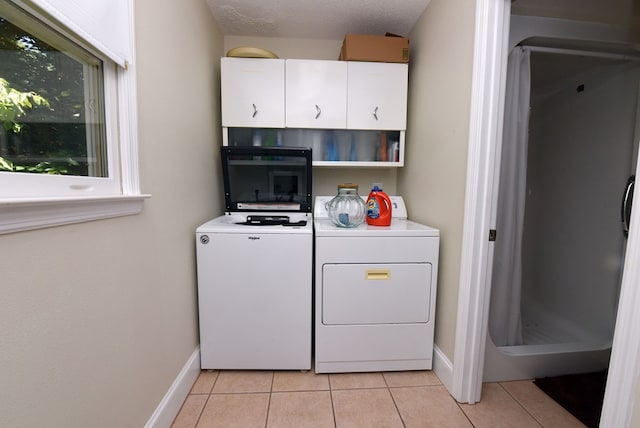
{"type": "Point", "coordinates": [347, 209]}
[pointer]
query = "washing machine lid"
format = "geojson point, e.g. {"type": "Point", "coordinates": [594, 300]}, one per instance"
{"type": "Point", "coordinates": [267, 179]}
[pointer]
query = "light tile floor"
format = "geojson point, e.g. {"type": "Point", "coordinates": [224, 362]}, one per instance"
{"type": "Point", "coordinates": [390, 399]}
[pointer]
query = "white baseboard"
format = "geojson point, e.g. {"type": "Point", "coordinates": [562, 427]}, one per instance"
{"type": "Point", "coordinates": [172, 401]}
{"type": "Point", "coordinates": [443, 368]}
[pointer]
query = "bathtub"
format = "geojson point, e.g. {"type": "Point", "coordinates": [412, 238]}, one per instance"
{"type": "Point", "coordinates": [551, 348]}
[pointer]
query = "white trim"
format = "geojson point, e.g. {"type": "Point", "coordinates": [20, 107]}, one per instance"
{"type": "Point", "coordinates": [622, 379]}
{"type": "Point", "coordinates": [491, 34]}
{"type": "Point", "coordinates": [128, 120]}
{"type": "Point", "coordinates": [128, 127]}
{"type": "Point", "coordinates": [171, 403]}
{"type": "Point", "coordinates": [94, 22]}
{"type": "Point", "coordinates": [442, 367]}
{"type": "Point", "coordinates": [34, 213]}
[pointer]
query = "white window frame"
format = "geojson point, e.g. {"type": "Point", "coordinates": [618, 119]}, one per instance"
{"type": "Point", "coordinates": [47, 200]}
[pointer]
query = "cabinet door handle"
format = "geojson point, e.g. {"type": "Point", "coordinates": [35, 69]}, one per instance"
{"type": "Point", "coordinates": [318, 111]}
{"type": "Point", "coordinates": [375, 113]}
{"type": "Point", "coordinates": [255, 110]}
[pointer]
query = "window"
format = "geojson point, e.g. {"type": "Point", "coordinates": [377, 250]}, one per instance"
{"type": "Point", "coordinates": [67, 132]}
{"type": "Point", "coordinates": [54, 121]}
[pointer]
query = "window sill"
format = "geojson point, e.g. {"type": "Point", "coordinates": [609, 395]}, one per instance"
{"type": "Point", "coordinates": [21, 214]}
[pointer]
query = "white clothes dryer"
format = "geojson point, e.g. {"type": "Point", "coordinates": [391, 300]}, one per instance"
{"type": "Point", "coordinates": [375, 293]}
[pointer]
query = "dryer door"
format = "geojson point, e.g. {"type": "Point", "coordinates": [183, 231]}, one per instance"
{"type": "Point", "coordinates": [397, 293]}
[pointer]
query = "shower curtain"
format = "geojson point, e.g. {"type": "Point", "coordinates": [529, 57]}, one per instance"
{"type": "Point", "coordinates": [505, 323]}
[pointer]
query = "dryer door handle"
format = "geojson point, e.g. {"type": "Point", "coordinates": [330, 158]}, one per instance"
{"type": "Point", "coordinates": [378, 274]}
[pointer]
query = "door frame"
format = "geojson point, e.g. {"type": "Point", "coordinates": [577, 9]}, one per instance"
{"type": "Point", "coordinates": [485, 135]}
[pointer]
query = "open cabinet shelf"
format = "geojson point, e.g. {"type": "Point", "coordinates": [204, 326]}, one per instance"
{"type": "Point", "coordinates": [332, 148]}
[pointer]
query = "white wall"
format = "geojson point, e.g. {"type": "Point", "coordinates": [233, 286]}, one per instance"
{"type": "Point", "coordinates": [98, 318]}
{"type": "Point", "coordinates": [433, 180]}
{"type": "Point", "coordinates": [580, 155]}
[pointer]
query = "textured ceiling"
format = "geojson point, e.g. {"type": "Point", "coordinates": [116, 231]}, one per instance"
{"type": "Point", "coordinates": [332, 19]}
{"type": "Point", "coordinates": [315, 19]}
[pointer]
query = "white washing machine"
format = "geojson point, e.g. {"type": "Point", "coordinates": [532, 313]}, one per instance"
{"type": "Point", "coordinates": [375, 293]}
{"type": "Point", "coordinates": [255, 264]}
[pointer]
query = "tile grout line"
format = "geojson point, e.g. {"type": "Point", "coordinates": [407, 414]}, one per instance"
{"type": "Point", "coordinates": [404, 424]}
{"type": "Point", "coordinates": [462, 410]}
{"type": "Point", "coordinates": [266, 419]}
{"type": "Point", "coordinates": [464, 413]}
{"type": "Point", "coordinates": [208, 396]}
{"type": "Point", "coordinates": [520, 404]}
{"type": "Point", "coordinates": [333, 408]}
{"type": "Point", "coordinates": [202, 410]}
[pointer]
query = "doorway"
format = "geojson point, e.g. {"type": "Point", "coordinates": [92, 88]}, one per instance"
{"type": "Point", "coordinates": [486, 119]}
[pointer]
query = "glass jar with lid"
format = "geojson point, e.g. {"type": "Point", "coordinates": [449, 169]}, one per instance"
{"type": "Point", "coordinates": [347, 209]}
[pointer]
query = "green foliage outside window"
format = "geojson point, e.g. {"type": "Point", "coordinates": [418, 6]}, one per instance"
{"type": "Point", "coordinates": [44, 123]}
{"type": "Point", "coordinates": [14, 104]}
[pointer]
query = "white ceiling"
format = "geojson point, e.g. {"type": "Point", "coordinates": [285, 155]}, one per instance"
{"type": "Point", "coordinates": [315, 19]}
{"type": "Point", "coordinates": [332, 19]}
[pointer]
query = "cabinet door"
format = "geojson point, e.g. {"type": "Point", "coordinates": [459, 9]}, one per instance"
{"type": "Point", "coordinates": [252, 92]}
{"type": "Point", "coordinates": [377, 95]}
{"type": "Point", "coordinates": [316, 94]}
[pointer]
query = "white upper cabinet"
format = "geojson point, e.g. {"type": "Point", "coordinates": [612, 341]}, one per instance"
{"type": "Point", "coordinates": [313, 94]}
{"type": "Point", "coordinates": [316, 94]}
{"type": "Point", "coordinates": [351, 113]}
{"type": "Point", "coordinates": [377, 95]}
{"type": "Point", "coordinates": [252, 92]}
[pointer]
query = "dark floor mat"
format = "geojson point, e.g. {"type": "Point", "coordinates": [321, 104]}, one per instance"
{"type": "Point", "coordinates": [579, 394]}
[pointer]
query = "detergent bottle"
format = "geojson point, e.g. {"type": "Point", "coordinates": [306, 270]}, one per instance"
{"type": "Point", "coordinates": [378, 207]}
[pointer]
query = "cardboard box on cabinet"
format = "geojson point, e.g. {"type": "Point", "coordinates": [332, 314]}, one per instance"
{"type": "Point", "coordinates": [365, 47]}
